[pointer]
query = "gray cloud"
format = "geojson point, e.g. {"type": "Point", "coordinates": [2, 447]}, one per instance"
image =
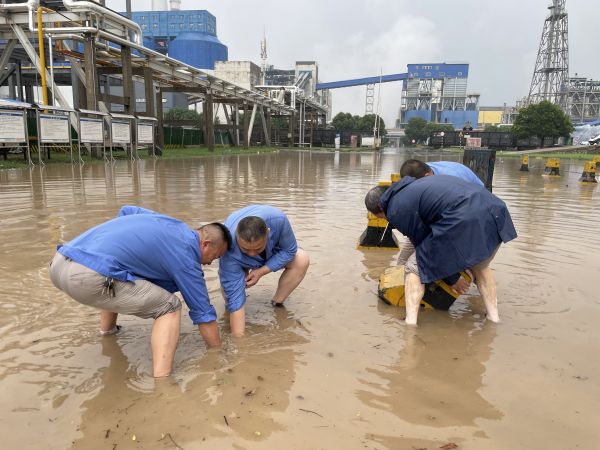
{"type": "Point", "coordinates": [358, 38]}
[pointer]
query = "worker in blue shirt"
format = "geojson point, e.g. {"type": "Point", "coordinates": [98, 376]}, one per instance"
{"type": "Point", "coordinates": [134, 264]}
{"type": "Point", "coordinates": [263, 242]}
{"type": "Point", "coordinates": [454, 225]}
{"type": "Point", "coordinates": [418, 169]}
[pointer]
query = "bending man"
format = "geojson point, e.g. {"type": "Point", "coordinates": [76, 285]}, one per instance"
{"type": "Point", "coordinates": [454, 225]}
{"type": "Point", "coordinates": [263, 243]}
{"type": "Point", "coordinates": [418, 169]}
{"type": "Point", "coordinates": [134, 264]}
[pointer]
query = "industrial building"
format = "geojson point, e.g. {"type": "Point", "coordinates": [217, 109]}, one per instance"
{"type": "Point", "coordinates": [583, 100]}
{"type": "Point", "coordinates": [438, 93]}
{"type": "Point", "coordinates": [84, 66]}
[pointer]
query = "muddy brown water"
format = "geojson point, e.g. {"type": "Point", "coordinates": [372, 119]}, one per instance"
{"type": "Point", "coordinates": [336, 368]}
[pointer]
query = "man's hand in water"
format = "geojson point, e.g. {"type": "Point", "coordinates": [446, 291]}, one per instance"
{"type": "Point", "coordinates": [255, 275]}
{"type": "Point", "coordinates": [461, 286]}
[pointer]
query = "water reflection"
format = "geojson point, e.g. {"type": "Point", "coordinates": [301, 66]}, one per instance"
{"type": "Point", "coordinates": [439, 373]}
{"type": "Point", "coordinates": [229, 393]}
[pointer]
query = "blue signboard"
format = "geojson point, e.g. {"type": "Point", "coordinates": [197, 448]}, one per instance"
{"type": "Point", "coordinates": [438, 70]}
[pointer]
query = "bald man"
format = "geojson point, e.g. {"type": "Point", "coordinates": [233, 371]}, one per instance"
{"type": "Point", "coordinates": [134, 264]}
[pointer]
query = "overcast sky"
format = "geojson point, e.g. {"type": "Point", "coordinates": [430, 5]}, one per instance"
{"type": "Point", "coordinates": [358, 38]}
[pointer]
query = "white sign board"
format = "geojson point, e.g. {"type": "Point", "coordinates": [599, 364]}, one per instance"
{"type": "Point", "coordinates": [145, 133]}
{"type": "Point", "coordinates": [54, 129]}
{"type": "Point", "coordinates": [12, 126]}
{"type": "Point", "coordinates": [91, 130]}
{"type": "Point", "coordinates": [473, 142]}
{"type": "Point", "coordinates": [121, 132]}
{"type": "Point", "coordinates": [367, 141]}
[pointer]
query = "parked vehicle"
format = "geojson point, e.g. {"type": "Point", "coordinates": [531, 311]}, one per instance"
{"type": "Point", "coordinates": [594, 140]}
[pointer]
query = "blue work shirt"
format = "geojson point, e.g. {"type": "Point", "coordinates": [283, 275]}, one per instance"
{"type": "Point", "coordinates": [456, 170]}
{"type": "Point", "coordinates": [142, 244]}
{"type": "Point", "coordinates": [280, 251]}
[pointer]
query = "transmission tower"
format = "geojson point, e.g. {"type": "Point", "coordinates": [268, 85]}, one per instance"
{"type": "Point", "coordinates": [551, 74]}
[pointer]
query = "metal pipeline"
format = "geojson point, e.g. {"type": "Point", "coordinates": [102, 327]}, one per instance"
{"type": "Point", "coordinates": [82, 6]}
{"type": "Point", "coordinates": [29, 6]}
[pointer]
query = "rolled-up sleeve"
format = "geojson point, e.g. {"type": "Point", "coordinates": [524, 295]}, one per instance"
{"type": "Point", "coordinates": [128, 210]}
{"type": "Point", "coordinates": [285, 248]}
{"type": "Point", "coordinates": [191, 284]}
{"type": "Point", "coordinates": [233, 282]}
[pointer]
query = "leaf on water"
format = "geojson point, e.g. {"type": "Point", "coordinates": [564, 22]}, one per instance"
{"type": "Point", "coordinates": [449, 446]}
{"type": "Point", "coordinates": [250, 393]}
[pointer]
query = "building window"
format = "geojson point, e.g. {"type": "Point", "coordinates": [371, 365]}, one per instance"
{"type": "Point", "coordinates": [144, 26]}
{"type": "Point", "coordinates": [155, 26]}
{"type": "Point", "coordinates": [182, 26]}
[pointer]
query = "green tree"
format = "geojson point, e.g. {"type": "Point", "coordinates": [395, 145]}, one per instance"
{"type": "Point", "coordinates": [437, 127]}
{"type": "Point", "coordinates": [416, 130]}
{"type": "Point", "coordinates": [367, 123]}
{"type": "Point", "coordinates": [492, 128]}
{"type": "Point", "coordinates": [182, 114]}
{"type": "Point", "coordinates": [542, 120]}
{"type": "Point", "coordinates": [343, 122]}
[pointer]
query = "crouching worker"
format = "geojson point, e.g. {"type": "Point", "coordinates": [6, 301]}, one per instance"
{"type": "Point", "coordinates": [454, 225]}
{"type": "Point", "coordinates": [134, 264]}
{"type": "Point", "coordinates": [263, 242]}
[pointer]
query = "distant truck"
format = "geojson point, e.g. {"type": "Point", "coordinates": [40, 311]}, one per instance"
{"type": "Point", "coordinates": [594, 140]}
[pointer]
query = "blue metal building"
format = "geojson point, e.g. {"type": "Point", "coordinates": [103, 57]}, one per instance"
{"type": "Point", "coordinates": [188, 36]}
{"type": "Point", "coordinates": [438, 93]}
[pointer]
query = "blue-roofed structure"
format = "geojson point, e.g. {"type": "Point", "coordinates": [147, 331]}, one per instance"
{"type": "Point", "coordinates": [188, 36]}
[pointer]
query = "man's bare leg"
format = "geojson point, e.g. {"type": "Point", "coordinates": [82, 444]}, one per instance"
{"type": "Point", "coordinates": [108, 321]}
{"type": "Point", "coordinates": [413, 294]}
{"type": "Point", "coordinates": [484, 279]}
{"type": "Point", "coordinates": [292, 276]}
{"type": "Point", "coordinates": [237, 322]}
{"type": "Point", "coordinates": [165, 335]}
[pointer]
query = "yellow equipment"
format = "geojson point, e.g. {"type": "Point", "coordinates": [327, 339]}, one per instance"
{"type": "Point", "coordinates": [596, 162]}
{"type": "Point", "coordinates": [524, 163]}
{"type": "Point", "coordinates": [437, 295]}
{"type": "Point", "coordinates": [589, 173]}
{"type": "Point", "coordinates": [552, 166]}
{"type": "Point", "coordinates": [378, 234]}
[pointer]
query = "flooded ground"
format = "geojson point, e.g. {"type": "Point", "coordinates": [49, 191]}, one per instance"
{"type": "Point", "coordinates": [336, 368]}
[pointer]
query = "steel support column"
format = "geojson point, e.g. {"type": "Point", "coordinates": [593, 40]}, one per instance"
{"type": "Point", "coordinates": [159, 115]}
{"type": "Point", "coordinates": [245, 132]}
{"type": "Point", "coordinates": [209, 125]}
{"type": "Point", "coordinates": [127, 80]}
{"type": "Point", "coordinates": [149, 89]}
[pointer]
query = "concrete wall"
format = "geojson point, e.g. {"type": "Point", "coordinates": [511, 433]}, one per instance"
{"type": "Point", "coordinates": [243, 73]}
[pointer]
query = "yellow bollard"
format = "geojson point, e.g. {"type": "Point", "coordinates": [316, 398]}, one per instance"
{"type": "Point", "coordinates": [524, 163]}
{"type": "Point", "coordinates": [552, 167]}
{"type": "Point", "coordinates": [596, 162]}
{"type": "Point", "coordinates": [378, 234]}
{"type": "Point", "coordinates": [589, 173]}
{"type": "Point", "coordinates": [437, 295]}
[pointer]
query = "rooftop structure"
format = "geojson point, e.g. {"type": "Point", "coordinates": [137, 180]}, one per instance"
{"type": "Point", "coordinates": [438, 93]}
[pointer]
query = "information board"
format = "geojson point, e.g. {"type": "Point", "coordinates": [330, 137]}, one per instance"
{"type": "Point", "coordinates": [121, 132]}
{"type": "Point", "coordinates": [91, 130]}
{"type": "Point", "coordinates": [145, 133]}
{"type": "Point", "coordinates": [54, 129]}
{"type": "Point", "coordinates": [12, 126]}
